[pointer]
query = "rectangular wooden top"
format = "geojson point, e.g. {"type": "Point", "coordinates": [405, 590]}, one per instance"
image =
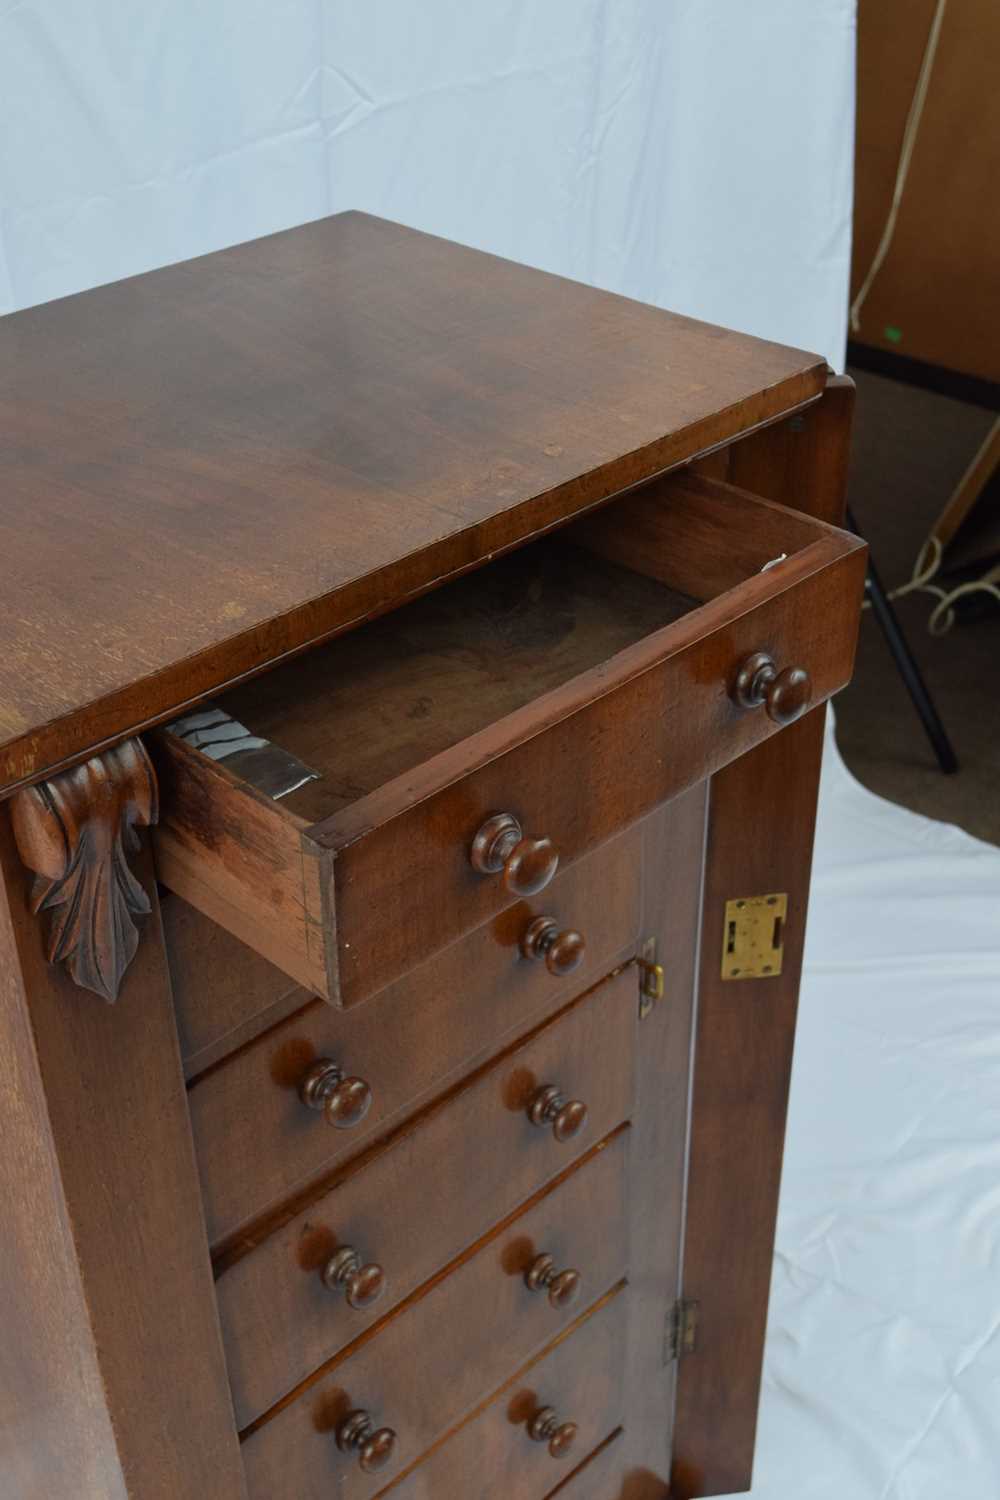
{"type": "Point", "coordinates": [214, 464]}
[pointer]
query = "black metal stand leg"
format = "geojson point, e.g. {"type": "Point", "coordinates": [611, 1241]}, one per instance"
{"type": "Point", "coordinates": [906, 663]}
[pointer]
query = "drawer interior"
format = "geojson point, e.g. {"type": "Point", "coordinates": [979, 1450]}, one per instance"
{"type": "Point", "coordinates": [370, 706]}
{"type": "Point", "coordinates": [599, 659]}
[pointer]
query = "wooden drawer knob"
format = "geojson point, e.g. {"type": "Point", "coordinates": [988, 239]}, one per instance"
{"type": "Point", "coordinates": [563, 1287]}
{"type": "Point", "coordinates": [545, 1427]}
{"type": "Point", "coordinates": [549, 1107]}
{"type": "Point", "coordinates": [361, 1285]}
{"type": "Point", "coordinates": [562, 951]}
{"type": "Point", "coordinates": [785, 695]}
{"type": "Point", "coordinates": [375, 1447]}
{"type": "Point", "coordinates": [500, 846]}
{"type": "Point", "coordinates": [344, 1101]}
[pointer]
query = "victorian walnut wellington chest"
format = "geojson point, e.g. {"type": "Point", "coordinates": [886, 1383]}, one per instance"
{"type": "Point", "coordinates": [411, 706]}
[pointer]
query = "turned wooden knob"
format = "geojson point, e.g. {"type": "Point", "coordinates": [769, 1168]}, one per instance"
{"type": "Point", "coordinates": [545, 1427]}
{"type": "Point", "coordinates": [500, 846]}
{"type": "Point", "coordinates": [549, 1107]}
{"type": "Point", "coordinates": [562, 951]}
{"type": "Point", "coordinates": [563, 1287]}
{"type": "Point", "coordinates": [361, 1285]}
{"type": "Point", "coordinates": [785, 695]}
{"type": "Point", "coordinates": [344, 1101]}
{"type": "Point", "coordinates": [375, 1447]}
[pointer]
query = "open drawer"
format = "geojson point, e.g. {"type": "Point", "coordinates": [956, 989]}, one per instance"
{"type": "Point", "coordinates": [516, 716]}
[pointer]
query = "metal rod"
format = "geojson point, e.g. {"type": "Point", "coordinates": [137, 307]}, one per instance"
{"type": "Point", "coordinates": [906, 664]}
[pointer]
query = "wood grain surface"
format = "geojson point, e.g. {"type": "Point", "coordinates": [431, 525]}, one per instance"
{"type": "Point", "coordinates": [743, 1057]}
{"type": "Point", "coordinates": [370, 706]}
{"type": "Point", "coordinates": [112, 1376]}
{"type": "Point", "coordinates": [347, 905]}
{"type": "Point", "coordinates": [598, 1478]}
{"type": "Point", "coordinates": [580, 1378]}
{"type": "Point", "coordinates": [241, 858]}
{"type": "Point", "coordinates": [257, 1142]}
{"type": "Point", "coordinates": [225, 994]}
{"type": "Point", "coordinates": [760, 831]}
{"type": "Point", "coordinates": [580, 763]}
{"type": "Point", "coordinates": [76, 833]}
{"type": "Point", "coordinates": [211, 465]}
{"type": "Point", "coordinates": [674, 840]}
{"type": "Point", "coordinates": [484, 1301]}
{"type": "Point", "coordinates": [204, 472]}
{"type": "Point", "coordinates": [802, 461]}
{"type": "Point", "coordinates": [483, 1156]}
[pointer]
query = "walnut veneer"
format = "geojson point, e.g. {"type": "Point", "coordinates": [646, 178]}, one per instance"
{"type": "Point", "coordinates": [400, 1134]}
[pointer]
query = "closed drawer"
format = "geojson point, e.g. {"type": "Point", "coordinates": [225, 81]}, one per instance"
{"type": "Point", "coordinates": [456, 1343]}
{"type": "Point", "coordinates": [428, 1194]}
{"type": "Point", "coordinates": [257, 1140]}
{"type": "Point", "coordinates": [569, 687]}
{"type": "Point", "coordinates": [224, 993]}
{"type": "Point", "coordinates": [600, 1477]}
{"type": "Point", "coordinates": [495, 1457]}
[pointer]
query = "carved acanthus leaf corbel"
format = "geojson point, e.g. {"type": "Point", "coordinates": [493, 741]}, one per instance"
{"type": "Point", "coordinates": [75, 832]}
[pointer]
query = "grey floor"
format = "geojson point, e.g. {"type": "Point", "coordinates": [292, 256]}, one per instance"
{"type": "Point", "coordinates": [910, 449]}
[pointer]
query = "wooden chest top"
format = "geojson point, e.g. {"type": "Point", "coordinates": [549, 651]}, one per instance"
{"type": "Point", "coordinates": [207, 467]}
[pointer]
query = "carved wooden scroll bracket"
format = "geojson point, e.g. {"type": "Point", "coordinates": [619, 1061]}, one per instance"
{"type": "Point", "coordinates": [75, 832]}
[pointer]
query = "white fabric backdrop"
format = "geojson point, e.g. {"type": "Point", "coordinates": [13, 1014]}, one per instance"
{"type": "Point", "coordinates": [882, 1369]}
{"type": "Point", "coordinates": [692, 153]}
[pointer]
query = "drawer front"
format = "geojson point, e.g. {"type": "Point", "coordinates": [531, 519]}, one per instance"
{"type": "Point", "coordinates": [598, 768]}
{"type": "Point", "coordinates": [425, 1196]}
{"type": "Point", "coordinates": [600, 1478]}
{"type": "Point", "coordinates": [255, 1138]}
{"type": "Point", "coordinates": [225, 994]}
{"type": "Point", "coordinates": [458, 1341]}
{"type": "Point", "coordinates": [348, 905]}
{"type": "Point", "coordinates": [494, 1457]}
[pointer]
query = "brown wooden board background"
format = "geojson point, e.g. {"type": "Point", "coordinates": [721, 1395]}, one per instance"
{"type": "Point", "coordinates": [939, 288]}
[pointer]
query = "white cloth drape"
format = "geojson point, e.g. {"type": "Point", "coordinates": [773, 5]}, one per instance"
{"type": "Point", "coordinates": [882, 1371]}
{"type": "Point", "coordinates": [692, 153]}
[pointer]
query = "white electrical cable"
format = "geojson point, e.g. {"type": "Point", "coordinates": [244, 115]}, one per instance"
{"type": "Point", "coordinates": [905, 155]}
{"type": "Point", "coordinates": [943, 615]}
{"type": "Point", "coordinates": [925, 568]}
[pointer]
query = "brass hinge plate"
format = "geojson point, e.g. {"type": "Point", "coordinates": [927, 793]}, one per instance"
{"type": "Point", "coordinates": [651, 978]}
{"type": "Point", "coordinates": [682, 1329]}
{"type": "Point", "coordinates": [753, 937]}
